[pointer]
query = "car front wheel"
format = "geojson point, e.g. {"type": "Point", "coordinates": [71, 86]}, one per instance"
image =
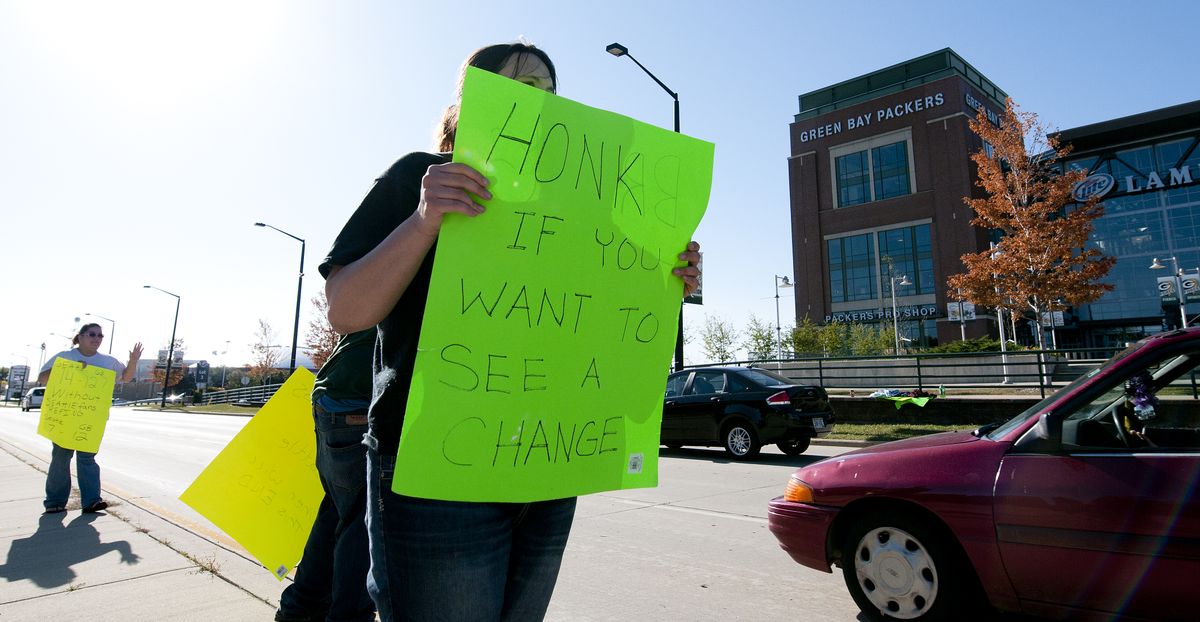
{"type": "Point", "coordinates": [741, 441]}
{"type": "Point", "coordinates": [898, 568]}
{"type": "Point", "coordinates": [794, 446]}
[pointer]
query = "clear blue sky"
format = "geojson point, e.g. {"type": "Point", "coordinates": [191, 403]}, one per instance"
{"type": "Point", "coordinates": [140, 141]}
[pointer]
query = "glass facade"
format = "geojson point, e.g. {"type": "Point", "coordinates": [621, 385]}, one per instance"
{"type": "Point", "coordinates": [873, 174]}
{"type": "Point", "coordinates": [909, 252]}
{"type": "Point", "coordinates": [904, 251]}
{"type": "Point", "coordinates": [853, 179]}
{"type": "Point", "coordinates": [852, 268]}
{"type": "Point", "coordinates": [890, 169]}
{"type": "Point", "coordinates": [1152, 211]}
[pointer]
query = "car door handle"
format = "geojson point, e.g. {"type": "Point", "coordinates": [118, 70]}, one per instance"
{"type": "Point", "coordinates": [716, 398]}
{"type": "Point", "coordinates": [670, 403]}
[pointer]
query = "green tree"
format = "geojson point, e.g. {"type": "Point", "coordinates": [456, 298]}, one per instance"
{"type": "Point", "coordinates": [759, 340]}
{"type": "Point", "coordinates": [718, 338]}
{"type": "Point", "coordinates": [834, 339]}
{"type": "Point", "coordinates": [805, 338]}
{"type": "Point", "coordinates": [870, 340]}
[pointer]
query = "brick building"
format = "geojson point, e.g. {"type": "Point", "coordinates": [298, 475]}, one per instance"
{"type": "Point", "coordinates": [878, 170]}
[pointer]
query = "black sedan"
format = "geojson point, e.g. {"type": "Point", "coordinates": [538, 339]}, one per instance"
{"type": "Point", "coordinates": [742, 409]}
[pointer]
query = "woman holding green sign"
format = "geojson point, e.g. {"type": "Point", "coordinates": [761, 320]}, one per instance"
{"type": "Point", "coordinates": [433, 559]}
{"type": "Point", "coordinates": [58, 475]}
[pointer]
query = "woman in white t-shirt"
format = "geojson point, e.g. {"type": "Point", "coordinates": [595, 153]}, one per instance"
{"type": "Point", "coordinates": [58, 476]}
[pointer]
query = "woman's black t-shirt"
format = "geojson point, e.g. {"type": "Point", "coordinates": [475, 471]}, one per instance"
{"type": "Point", "coordinates": [390, 202]}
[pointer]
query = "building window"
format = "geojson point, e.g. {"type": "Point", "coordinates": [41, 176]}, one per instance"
{"type": "Point", "coordinates": [854, 180]}
{"type": "Point", "coordinates": [852, 268]}
{"type": "Point", "coordinates": [908, 251]}
{"type": "Point", "coordinates": [890, 169]}
{"type": "Point", "coordinates": [872, 170]}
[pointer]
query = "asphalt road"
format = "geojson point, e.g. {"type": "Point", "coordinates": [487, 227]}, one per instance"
{"type": "Point", "coordinates": [696, 547]}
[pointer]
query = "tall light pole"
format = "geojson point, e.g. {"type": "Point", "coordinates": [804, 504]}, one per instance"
{"type": "Point", "coordinates": [780, 281]}
{"type": "Point", "coordinates": [900, 280]}
{"type": "Point", "coordinates": [962, 317]}
{"type": "Point", "coordinates": [299, 289]}
{"type": "Point", "coordinates": [1178, 285]}
{"type": "Point", "coordinates": [224, 366]}
{"type": "Point", "coordinates": [618, 50]}
{"type": "Point", "coordinates": [112, 331]}
{"type": "Point", "coordinates": [170, 348]}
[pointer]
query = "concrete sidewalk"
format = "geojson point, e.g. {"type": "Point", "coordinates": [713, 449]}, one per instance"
{"type": "Point", "coordinates": [124, 564]}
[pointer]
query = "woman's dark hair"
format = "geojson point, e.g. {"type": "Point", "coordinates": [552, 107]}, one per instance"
{"type": "Point", "coordinates": [83, 329]}
{"type": "Point", "coordinates": [489, 58]}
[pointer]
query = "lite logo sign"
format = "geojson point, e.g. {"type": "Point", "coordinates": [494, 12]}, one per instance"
{"type": "Point", "coordinates": [1101, 184]}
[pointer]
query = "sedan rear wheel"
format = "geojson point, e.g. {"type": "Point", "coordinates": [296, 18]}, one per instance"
{"type": "Point", "coordinates": [898, 568]}
{"type": "Point", "coordinates": [795, 446]}
{"type": "Point", "coordinates": [741, 441]}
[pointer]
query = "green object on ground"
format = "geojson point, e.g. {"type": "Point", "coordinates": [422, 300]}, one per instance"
{"type": "Point", "coordinates": [905, 399]}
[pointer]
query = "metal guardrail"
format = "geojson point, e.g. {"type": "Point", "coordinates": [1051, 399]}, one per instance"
{"type": "Point", "coordinates": [253, 395]}
{"type": "Point", "coordinates": [1037, 369]}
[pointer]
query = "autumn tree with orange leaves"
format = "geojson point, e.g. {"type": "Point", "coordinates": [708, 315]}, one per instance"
{"type": "Point", "coordinates": [264, 356]}
{"type": "Point", "coordinates": [1043, 255]}
{"type": "Point", "coordinates": [178, 370]}
{"type": "Point", "coordinates": [321, 338]}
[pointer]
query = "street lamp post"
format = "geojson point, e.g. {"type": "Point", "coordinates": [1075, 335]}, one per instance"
{"type": "Point", "coordinates": [1176, 274]}
{"type": "Point", "coordinates": [618, 50]}
{"type": "Point", "coordinates": [224, 365]}
{"type": "Point", "coordinates": [299, 289]}
{"type": "Point", "coordinates": [112, 331]}
{"type": "Point", "coordinates": [170, 348]}
{"type": "Point", "coordinates": [962, 318]}
{"type": "Point", "coordinates": [903, 280]}
{"type": "Point", "coordinates": [780, 281]}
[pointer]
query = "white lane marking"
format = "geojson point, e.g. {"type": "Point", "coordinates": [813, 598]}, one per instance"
{"type": "Point", "coordinates": [687, 510]}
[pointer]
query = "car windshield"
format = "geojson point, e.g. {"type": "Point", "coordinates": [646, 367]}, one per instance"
{"type": "Point", "coordinates": [767, 378]}
{"type": "Point", "coordinates": [1013, 423]}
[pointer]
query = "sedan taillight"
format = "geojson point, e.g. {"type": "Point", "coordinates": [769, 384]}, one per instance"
{"type": "Point", "coordinates": [780, 399]}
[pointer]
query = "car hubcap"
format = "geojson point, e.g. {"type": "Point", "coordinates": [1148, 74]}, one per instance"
{"type": "Point", "coordinates": [896, 573]}
{"type": "Point", "coordinates": [739, 441]}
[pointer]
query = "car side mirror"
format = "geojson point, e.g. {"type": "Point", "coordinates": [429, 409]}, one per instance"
{"type": "Point", "coordinates": [1044, 437]}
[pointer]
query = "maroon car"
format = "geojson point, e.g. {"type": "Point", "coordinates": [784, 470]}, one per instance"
{"type": "Point", "coordinates": [1084, 506]}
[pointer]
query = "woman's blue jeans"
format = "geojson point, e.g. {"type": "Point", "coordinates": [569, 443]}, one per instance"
{"type": "Point", "coordinates": [331, 581]}
{"type": "Point", "coordinates": [58, 477]}
{"type": "Point", "coordinates": [452, 561]}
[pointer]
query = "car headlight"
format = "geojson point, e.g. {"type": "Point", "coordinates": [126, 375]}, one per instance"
{"type": "Point", "coordinates": [798, 491]}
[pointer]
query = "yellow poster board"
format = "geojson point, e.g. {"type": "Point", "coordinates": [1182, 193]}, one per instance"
{"type": "Point", "coordinates": [551, 317]}
{"type": "Point", "coordinates": [75, 407]}
{"type": "Point", "coordinates": [263, 489]}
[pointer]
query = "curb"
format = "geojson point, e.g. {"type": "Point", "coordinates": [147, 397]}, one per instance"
{"type": "Point", "coordinates": [837, 442]}
{"type": "Point", "coordinates": [196, 412]}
